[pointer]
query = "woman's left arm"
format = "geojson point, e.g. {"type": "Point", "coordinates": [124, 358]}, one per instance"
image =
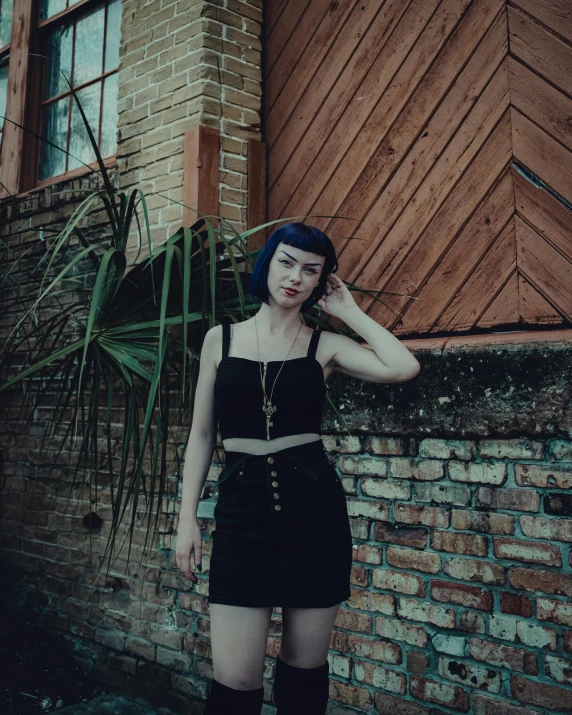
{"type": "Point", "coordinates": [389, 361]}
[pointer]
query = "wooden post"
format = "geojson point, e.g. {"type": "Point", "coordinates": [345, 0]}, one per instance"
{"type": "Point", "coordinates": [13, 141]}
{"type": "Point", "coordinates": [256, 193]}
{"type": "Point", "coordinates": [201, 174]}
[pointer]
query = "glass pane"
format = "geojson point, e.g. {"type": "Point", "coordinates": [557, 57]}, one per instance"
{"type": "Point", "coordinates": [3, 88]}
{"type": "Point", "coordinates": [55, 128]}
{"type": "Point", "coordinates": [113, 35]}
{"type": "Point", "coordinates": [80, 145]}
{"type": "Point", "coordinates": [52, 7]}
{"type": "Point", "coordinates": [6, 8]}
{"type": "Point", "coordinates": [109, 120]}
{"type": "Point", "coordinates": [89, 46]}
{"type": "Point", "coordinates": [60, 52]}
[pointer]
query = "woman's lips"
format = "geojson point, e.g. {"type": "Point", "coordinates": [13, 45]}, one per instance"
{"type": "Point", "coordinates": [290, 292]}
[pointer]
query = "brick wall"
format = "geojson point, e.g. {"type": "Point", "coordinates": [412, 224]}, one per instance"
{"type": "Point", "coordinates": [185, 63]}
{"type": "Point", "coordinates": [458, 482]}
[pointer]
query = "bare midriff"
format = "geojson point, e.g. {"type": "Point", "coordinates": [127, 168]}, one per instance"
{"type": "Point", "coordinates": [262, 446]}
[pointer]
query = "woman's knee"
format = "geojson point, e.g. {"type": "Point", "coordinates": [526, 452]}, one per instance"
{"type": "Point", "coordinates": [238, 641]}
{"type": "Point", "coordinates": [306, 635]}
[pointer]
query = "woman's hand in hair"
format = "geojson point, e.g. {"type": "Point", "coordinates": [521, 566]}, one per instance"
{"type": "Point", "coordinates": [337, 298]}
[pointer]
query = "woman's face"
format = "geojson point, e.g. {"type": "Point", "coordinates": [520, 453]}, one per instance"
{"type": "Point", "coordinates": [295, 269]}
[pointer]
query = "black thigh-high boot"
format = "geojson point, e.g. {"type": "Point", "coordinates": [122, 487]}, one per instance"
{"type": "Point", "coordinates": [301, 691]}
{"type": "Point", "coordinates": [224, 700]}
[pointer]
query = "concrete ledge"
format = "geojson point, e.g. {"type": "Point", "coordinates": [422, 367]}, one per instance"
{"type": "Point", "coordinates": [475, 387]}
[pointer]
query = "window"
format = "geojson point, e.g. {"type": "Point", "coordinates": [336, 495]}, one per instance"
{"type": "Point", "coordinates": [79, 39]}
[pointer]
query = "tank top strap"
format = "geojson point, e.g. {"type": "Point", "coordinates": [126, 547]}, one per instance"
{"type": "Point", "coordinates": [314, 343]}
{"type": "Point", "coordinates": [225, 339]}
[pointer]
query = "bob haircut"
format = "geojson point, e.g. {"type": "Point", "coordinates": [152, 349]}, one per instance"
{"type": "Point", "coordinates": [299, 235]}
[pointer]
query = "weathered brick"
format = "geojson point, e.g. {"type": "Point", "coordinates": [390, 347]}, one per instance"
{"type": "Point", "coordinates": [470, 674]}
{"type": "Point", "coordinates": [398, 581]}
{"type": "Point", "coordinates": [374, 649]}
{"type": "Point", "coordinates": [459, 543]}
{"type": "Point", "coordinates": [461, 594]}
{"type": "Point", "coordinates": [509, 499]}
{"type": "Point", "coordinates": [426, 613]}
{"type": "Point", "coordinates": [478, 473]}
{"type": "Point", "coordinates": [446, 448]}
{"type": "Point", "coordinates": [540, 694]}
{"type": "Point", "coordinates": [473, 570]}
{"type": "Point", "coordinates": [519, 448]}
{"type": "Point", "coordinates": [504, 656]}
{"type": "Point", "coordinates": [439, 693]}
{"type": "Point", "coordinates": [540, 475]}
{"type": "Point", "coordinates": [413, 560]}
{"type": "Point", "coordinates": [398, 631]}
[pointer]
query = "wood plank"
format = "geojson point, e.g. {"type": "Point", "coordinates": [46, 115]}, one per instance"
{"type": "Point", "coordinates": [201, 161]}
{"type": "Point", "coordinates": [533, 307]}
{"type": "Point", "coordinates": [394, 78]}
{"type": "Point", "coordinates": [504, 308]}
{"type": "Point", "coordinates": [472, 153]}
{"type": "Point", "coordinates": [555, 14]}
{"type": "Point", "coordinates": [423, 243]}
{"type": "Point", "coordinates": [544, 268]}
{"type": "Point", "coordinates": [545, 53]}
{"type": "Point", "coordinates": [282, 32]}
{"type": "Point", "coordinates": [541, 102]}
{"type": "Point", "coordinates": [516, 337]}
{"type": "Point", "coordinates": [548, 216]}
{"type": "Point", "coordinates": [462, 258]}
{"type": "Point", "coordinates": [475, 297]}
{"type": "Point", "coordinates": [353, 51]}
{"type": "Point", "coordinates": [453, 135]}
{"type": "Point", "coordinates": [542, 155]}
{"type": "Point", "coordinates": [272, 10]}
{"type": "Point", "coordinates": [256, 192]}
{"type": "Point", "coordinates": [308, 46]}
{"type": "Point", "coordinates": [13, 157]}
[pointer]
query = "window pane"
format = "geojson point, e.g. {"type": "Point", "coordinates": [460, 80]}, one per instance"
{"type": "Point", "coordinates": [52, 7]}
{"type": "Point", "coordinates": [89, 46]}
{"type": "Point", "coordinates": [3, 87]}
{"type": "Point", "coordinates": [55, 128]}
{"type": "Point", "coordinates": [80, 145]}
{"type": "Point", "coordinates": [4, 92]}
{"type": "Point", "coordinates": [6, 8]}
{"type": "Point", "coordinates": [113, 35]}
{"type": "Point", "coordinates": [60, 50]}
{"type": "Point", "coordinates": [109, 121]}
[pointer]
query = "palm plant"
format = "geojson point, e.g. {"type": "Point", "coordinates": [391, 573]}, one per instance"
{"type": "Point", "coordinates": [130, 337]}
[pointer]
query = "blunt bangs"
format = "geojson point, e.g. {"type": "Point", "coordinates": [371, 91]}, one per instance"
{"type": "Point", "coordinates": [304, 237]}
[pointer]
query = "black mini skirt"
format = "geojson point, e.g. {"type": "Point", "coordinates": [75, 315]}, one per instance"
{"type": "Point", "coordinates": [282, 533]}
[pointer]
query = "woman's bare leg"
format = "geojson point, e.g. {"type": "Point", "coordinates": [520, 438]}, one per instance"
{"type": "Point", "coordinates": [238, 641]}
{"type": "Point", "coordinates": [306, 635]}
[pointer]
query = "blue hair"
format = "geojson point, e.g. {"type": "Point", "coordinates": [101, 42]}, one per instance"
{"type": "Point", "coordinates": [299, 235]}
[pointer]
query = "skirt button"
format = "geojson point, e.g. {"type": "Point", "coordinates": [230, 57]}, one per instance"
{"type": "Point", "coordinates": [274, 484]}
{"type": "Point", "coordinates": [277, 507]}
{"type": "Point", "coordinates": [270, 460]}
{"type": "Point", "coordinates": [276, 495]}
{"type": "Point", "coordinates": [274, 474]}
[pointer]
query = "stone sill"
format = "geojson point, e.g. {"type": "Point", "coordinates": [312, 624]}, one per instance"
{"type": "Point", "coordinates": [510, 338]}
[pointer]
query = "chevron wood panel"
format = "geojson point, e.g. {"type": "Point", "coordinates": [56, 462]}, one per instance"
{"type": "Point", "coordinates": [410, 125]}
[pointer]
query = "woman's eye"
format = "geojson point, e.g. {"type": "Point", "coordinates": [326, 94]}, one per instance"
{"type": "Point", "coordinates": [312, 271]}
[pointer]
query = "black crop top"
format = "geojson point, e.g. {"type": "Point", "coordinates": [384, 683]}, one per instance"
{"type": "Point", "coordinates": [298, 395]}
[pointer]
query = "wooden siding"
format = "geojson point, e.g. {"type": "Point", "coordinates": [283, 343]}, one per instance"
{"type": "Point", "coordinates": [439, 135]}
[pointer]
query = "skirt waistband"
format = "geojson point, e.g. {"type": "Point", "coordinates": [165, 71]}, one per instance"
{"type": "Point", "coordinates": [310, 456]}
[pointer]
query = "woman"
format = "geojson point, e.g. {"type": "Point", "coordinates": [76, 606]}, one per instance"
{"type": "Point", "coordinates": [282, 530]}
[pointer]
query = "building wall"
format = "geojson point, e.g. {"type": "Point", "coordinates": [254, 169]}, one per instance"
{"type": "Point", "coordinates": [457, 482]}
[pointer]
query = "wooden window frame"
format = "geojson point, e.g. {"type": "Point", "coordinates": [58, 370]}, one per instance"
{"type": "Point", "coordinates": [19, 157]}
